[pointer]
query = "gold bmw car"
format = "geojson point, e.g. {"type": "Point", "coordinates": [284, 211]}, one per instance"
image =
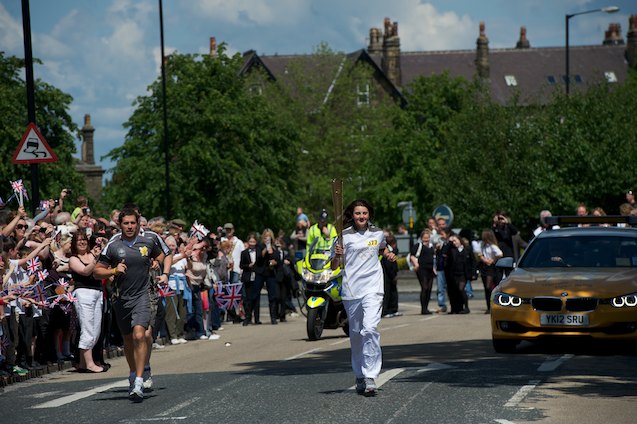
{"type": "Point", "coordinates": [570, 282]}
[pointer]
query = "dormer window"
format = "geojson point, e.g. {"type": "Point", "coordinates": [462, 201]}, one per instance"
{"type": "Point", "coordinates": [510, 80]}
{"type": "Point", "coordinates": [362, 94]}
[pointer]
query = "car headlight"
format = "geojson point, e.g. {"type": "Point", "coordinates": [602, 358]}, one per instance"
{"type": "Point", "coordinates": [504, 299]}
{"type": "Point", "coordinates": [626, 301]}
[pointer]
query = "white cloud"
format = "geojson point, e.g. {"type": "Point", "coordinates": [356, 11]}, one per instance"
{"type": "Point", "coordinates": [422, 27]}
{"type": "Point", "coordinates": [261, 12]}
{"type": "Point", "coordinates": [10, 31]}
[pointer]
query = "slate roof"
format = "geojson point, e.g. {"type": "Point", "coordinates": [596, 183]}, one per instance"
{"type": "Point", "coordinates": [530, 67]}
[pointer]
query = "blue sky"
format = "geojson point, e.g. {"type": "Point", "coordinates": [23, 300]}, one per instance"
{"type": "Point", "coordinates": [106, 52]}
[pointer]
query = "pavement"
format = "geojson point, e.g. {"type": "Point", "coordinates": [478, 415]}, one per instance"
{"type": "Point", "coordinates": [408, 283]}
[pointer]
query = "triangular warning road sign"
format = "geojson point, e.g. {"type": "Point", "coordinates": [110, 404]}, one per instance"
{"type": "Point", "coordinates": [33, 148]}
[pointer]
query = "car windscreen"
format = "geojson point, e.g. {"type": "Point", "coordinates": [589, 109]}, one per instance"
{"type": "Point", "coordinates": [581, 252]}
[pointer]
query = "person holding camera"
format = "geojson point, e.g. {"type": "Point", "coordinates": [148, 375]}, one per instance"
{"type": "Point", "coordinates": [504, 232]}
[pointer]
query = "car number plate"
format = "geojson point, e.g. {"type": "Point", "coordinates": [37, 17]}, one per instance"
{"type": "Point", "coordinates": [563, 319]}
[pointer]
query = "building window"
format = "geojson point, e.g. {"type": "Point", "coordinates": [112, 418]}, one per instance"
{"type": "Point", "coordinates": [578, 79]}
{"type": "Point", "coordinates": [362, 94]}
{"type": "Point", "coordinates": [551, 79]}
{"type": "Point", "coordinates": [510, 80]}
{"type": "Point", "coordinates": [610, 76]}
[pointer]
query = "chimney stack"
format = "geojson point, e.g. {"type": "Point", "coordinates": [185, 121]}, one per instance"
{"type": "Point", "coordinates": [613, 36]}
{"type": "Point", "coordinates": [375, 46]}
{"type": "Point", "coordinates": [523, 42]}
{"type": "Point", "coordinates": [213, 46]}
{"type": "Point", "coordinates": [87, 141]}
{"type": "Point", "coordinates": [390, 62]}
{"type": "Point", "coordinates": [631, 42]}
{"type": "Point", "coordinates": [482, 54]}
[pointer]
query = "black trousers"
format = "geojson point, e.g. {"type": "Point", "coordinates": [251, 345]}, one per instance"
{"type": "Point", "coordinates": [426, 280]}
{"type": "Point", "coordinates": [390, 298]}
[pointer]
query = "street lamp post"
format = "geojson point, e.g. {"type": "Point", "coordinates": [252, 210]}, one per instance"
{"type": "Point", "coordinates": [609, 9]}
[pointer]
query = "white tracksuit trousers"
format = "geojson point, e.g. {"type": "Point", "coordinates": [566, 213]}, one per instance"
{"type": "Point", "coordinates": [363, 316]}
{"type": "Point", "coordinates": [89, 313]}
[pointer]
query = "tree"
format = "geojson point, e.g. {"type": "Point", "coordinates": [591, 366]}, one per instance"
{"type": "Point", "coordinates": [54, 123]}
{"type": "Point", "coordinates": [229, 153]}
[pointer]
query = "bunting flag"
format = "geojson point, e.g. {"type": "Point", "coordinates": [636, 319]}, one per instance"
{"type": "Point", "coordinates": [229, 296]}
{"type": "Point", "coordinates": [45, 204]}
{"type": "Point", "coordinates": [62, 283]}
{"type": "Point", "coordinates": [198, 230]}
{"type": "Point", "coordinates": [165, 291]}
{"type": "Point", "coordinates": [33, 265]}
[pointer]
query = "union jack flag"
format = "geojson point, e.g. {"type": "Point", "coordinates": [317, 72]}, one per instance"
{"type": "Point", "coordinates": [33, 265]}
{"type": "Point", "coordinates": [17, 186]}
{"type": "Point", "coordinates": [71, 297]}
{"type": "Point", "coordinates": [42, 275]}
{"type": "Point", "coordinates": [198, 230]}
{"type": "Point", "coordinates": [62, 283]}
{"type": "Point", "coordinates": [165, 291]}
{"type": "Point", "coordinates": [5, 343]}
{"type": "Point", "coordinates": [229, 296]}
{"type": "Point", "coordinates": [39, 293]}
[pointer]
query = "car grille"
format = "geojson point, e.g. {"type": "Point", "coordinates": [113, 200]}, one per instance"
{"type": "Point", "coordinates": [581, 304]}
{"type": "Point", "coordinates": [549, 304]}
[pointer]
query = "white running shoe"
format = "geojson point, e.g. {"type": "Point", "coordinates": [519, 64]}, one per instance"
{"type": "Point", "coordinates": [175, 341]}
{"type": "Point", "coordinates": [214, 337]}
{"type": "Point", "coordinates": [148, 384]}
{"type": "Point", "coordinates": [183, 341]}
{"type": "Point", "coordinates": [370, 387]}
{"type": "Point", "coordinates": [137, 394]}
{"type": "Point", "coordinates": [158, 346]}
{"type": "Point", "coordinates": [203, 337]}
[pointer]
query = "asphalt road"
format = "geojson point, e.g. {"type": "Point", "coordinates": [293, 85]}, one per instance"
{"type": "Point", "coordinates": [437, 368]}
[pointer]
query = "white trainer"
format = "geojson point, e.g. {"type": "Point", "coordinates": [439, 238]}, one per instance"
{"type": "Point", "coordinates": [137, 394]}
{"type": "Point", "coordinates": [148, 384]}
{"type": "Point", "coordinates": [214, 337]}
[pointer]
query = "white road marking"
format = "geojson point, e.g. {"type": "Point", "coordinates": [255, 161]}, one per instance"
{"type": "Point", "coordinates": [521, 394]}
{"type": "Point", "coordinates": [56, 403]}
{"type": "Point", "coordinates": [504, 421]}
{"type": "Point", "coordinates": [406, 404]}
{"type": "Point", "coordinates": [302, 354]}
{"type": "Point", "coordinates": [155, 419]}
{"type": "Point", "coordinates": [179, 406]}
{"type": "Point", "coordinates": [384, 377]}
{"type": "Point", "coordinates": [345, 340]}
{"type": "Point", "coordinates": [435, 366]}
{"type": "Point", "coordinates": [394, 327]}
{"type": "Point", "coordinates": [548, 366]}
{"type": "Point", "coordinates": [44, 394]}
{"type": "Point", "coordinates": [429, 317]}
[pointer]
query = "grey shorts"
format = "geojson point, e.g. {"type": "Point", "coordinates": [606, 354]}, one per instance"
{"type": "Point", "coordinates": [132, 312]}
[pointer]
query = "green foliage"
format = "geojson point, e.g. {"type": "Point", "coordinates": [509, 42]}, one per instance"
{"type": "Point", "coordinates": [229, 153]}
{"type": "Point", "coordinates": [54, 123]}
